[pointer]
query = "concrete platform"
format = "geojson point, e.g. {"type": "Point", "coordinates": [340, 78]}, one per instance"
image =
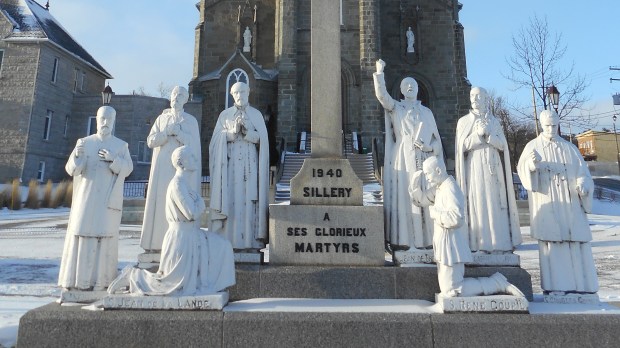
{"type": "Point", "coordinates": [56, 326]}
{"type": "Point", "coordinates": [261, 281]}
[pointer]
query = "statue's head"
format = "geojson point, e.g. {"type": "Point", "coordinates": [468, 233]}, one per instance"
{"type": "Point", "coordinates": [479, 99]}
{"type": "Point", "coordinates": [178, 97]}
{"type": "Point", "coordinates": [409, 88]}
{"type": "Point", "coordinates": [183, 158]}
{"type": "Point", "coordinates": [106, 116]}
{"type": "Point", "coordinates": [434, 171]}
{"type": "Point", "coordinates": [550, 123]}
{"type": "Point", "coordinates": [240, 92]}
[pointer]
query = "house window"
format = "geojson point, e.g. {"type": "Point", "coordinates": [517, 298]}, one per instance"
{"type": "Point", "coordinates": [76, 77]}
{"type": "Point", "coordinates": [82, 81]}
{"type": "Point", "coordinates": [41, 171]}
{"type": "Point", "coordinates": [66, 130]}
{"type": "Point", "coordinates": [55, 70]}
{"type": "Point", "coordinates": [92, 125]}
{"type": "Point", "coordinates": [237, 75]}
{"type": "Point", "coordinates": [1, 58]}
{"type": "Point", "coordinates": [144, 152]}
{"type": "Point", "coordinates": [48, 125]}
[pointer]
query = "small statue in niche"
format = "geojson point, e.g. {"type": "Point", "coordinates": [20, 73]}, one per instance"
{"type": "Point", "coordinates": [410, 40]}
{"type": "Point", "coordinates": [247, 39]}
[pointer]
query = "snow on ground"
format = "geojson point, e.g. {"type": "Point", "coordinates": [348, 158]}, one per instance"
{"type": "Point", "coordinates": [31, 243]}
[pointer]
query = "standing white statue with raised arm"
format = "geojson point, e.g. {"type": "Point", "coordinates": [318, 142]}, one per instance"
{"type": "Point", "coordinates": [410, 137]}
{"type": "Point", "coordinates": [98, 164]}
{"type": "Point", "coordinates": [239, 168]}
{"type": "Point", "coordinates": [447, 209]}
{"type": "Point", "coordinates": [560, 194]}
{"type": "Point", "coordinates": [173, 128]}
{"type": "Point", "coordinates": [484, 175]}
{"type": "Point", "coordinates": [247, 39]}
{"type": "Point", "coordinates": [410, 40]}
{"type": "Point", "coordinates": [193, 262]}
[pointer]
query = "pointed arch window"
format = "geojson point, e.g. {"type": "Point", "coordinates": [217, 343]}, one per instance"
{"type": "Point", "coordinates": [237, 75]}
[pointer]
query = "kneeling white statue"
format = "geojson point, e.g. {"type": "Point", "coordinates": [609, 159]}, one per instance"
{"type": "Point", "coordinates": [193, 262]}
{"type": "Point", "coordinates": [450, 247]}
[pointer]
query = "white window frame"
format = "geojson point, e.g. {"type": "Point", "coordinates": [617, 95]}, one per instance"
{"type": "Point", "coordinates": [41, 171]}
{"type": "Point", "coordinates": [82, 79]}
{"type": "Point", "coordinates": [1, 60]}
{"type": "Point", "coordinates": [55, 69]}
{"type": "Point", "coordinates": [144, 153]}
{"type": "Point", "coordinates": [236, 74]}
{"type": "Point", "coordinates": [341, 14]}
{"type": "Point", "coordinates": [91, 120]}
{"type": "Point", "coordinates": [66, 130]}
{"type": "Point", "coordinates": [48, 125]}
{"type": "Point", "coordinates": [76, 75]}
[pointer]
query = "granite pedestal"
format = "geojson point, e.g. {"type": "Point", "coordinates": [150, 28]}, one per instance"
{"type": "Point", "coordinates": [56, 326]}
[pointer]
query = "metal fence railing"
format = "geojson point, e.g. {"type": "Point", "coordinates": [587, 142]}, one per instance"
{"type": "Point", "coordinates": [137, 189]}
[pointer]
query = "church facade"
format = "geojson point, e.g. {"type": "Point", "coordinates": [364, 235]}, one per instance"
{"type": "Point", "coordinates": [266, 43]}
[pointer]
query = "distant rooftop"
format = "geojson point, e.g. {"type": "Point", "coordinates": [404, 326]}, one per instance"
{"type": "Point", "coordinates": [32, 21]}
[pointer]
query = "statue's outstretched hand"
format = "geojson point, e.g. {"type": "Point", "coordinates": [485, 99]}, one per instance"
{"type": "Point", "coordinates": [380, 65]}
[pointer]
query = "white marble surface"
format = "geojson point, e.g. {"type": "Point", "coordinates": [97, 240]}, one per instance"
{"type": "Point", "coordinates": [493, 303]}
{"type": "Point", "coordinates": [78, 296]}
{"type": "Point", "coordinates": [215, 301]}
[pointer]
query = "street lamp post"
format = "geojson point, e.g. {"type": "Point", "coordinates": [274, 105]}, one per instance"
{"type": "Point", "coordinates": [617, 149]}
{"type": "Point", "coordinates": [107, 94]}
{"type": "Point", "coordinates": [554, 98]}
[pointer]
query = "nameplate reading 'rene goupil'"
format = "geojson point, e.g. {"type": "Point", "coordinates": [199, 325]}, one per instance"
{"type": "Point", "coordinates": [326, 181]}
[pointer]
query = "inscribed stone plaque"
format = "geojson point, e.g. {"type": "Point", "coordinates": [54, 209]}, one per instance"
{"type": "Point", "coordinates": [326, 181]}
{"type": "Point", "coordinates": [326, 235]}
{"type": "Point", "coordinates": [215, 301]}
{"type": "Point", "coordinates": [494, 303]}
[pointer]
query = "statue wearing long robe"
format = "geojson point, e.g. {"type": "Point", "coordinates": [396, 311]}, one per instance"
{"type": "Point", "coordinates": [154, 224]}
{"type": "Point", "coordinates": [406, 225]}
{"type": "Point", "coordinates": [486, 183]}
{"type": "Point", "coordinates": [239, 169]}
{"type": "Point", "coordinates": [558, 213]}
{"type": "Point", "coordinates": [90, 255]}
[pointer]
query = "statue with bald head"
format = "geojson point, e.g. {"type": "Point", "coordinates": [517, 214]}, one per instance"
{"type": "Point", "coordinates": [560, 192]}
{"type": "Point", "coordinates": [239, 170]}
{"type": "Point", "coordinates": [411, 136]}
{"type": "Point", "coordinates": [172, 129]}
{"type": "Point", "coordinates": [99, 164]}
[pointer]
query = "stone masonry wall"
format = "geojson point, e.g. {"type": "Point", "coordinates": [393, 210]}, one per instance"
{"type": "Point", "coordinates": [56, 97]}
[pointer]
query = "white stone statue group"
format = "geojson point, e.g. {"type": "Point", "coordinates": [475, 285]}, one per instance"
{"type": "Point", "coordinates": [191, 261]}
{"type": "Point", "coordinates": [477, 212]}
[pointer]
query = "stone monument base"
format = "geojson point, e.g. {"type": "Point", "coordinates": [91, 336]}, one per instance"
{"type": "Point", "coordinates": [54, 325]}
{"type": "Point", "coordinates": [493, 304]}
{"type": "Point", "coordinates": [201, 302]}
{"type": "Point", "coordinates": [412, 257]}
{"type": "Point", "coordinates": [255, 258]}
{"type": "Point", "coordinates": [571, 298]}
{"type": "Point", "coordinates": [79, 296]}
{"type": "Point", "coordinates": [384, 282]}
{"type": "Point", "coordinates": [484, 259]}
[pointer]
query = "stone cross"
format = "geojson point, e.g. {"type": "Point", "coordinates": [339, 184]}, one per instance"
{"type": "Point", "coordinates": [325, 79]}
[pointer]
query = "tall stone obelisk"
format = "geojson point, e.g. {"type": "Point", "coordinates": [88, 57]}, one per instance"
{"type": "Point", "coordinates": [325, 90]}
{"type": "Point", "coordinates": [326, 223]}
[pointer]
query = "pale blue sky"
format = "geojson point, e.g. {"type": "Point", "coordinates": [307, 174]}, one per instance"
{"type": "Point", "coordinates": [143, 43]}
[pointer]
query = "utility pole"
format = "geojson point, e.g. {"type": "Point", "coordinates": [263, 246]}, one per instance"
{"type": "Point", "coordinates": [535, 112]}
{"type": "Point", "coordinates": [616, 69]}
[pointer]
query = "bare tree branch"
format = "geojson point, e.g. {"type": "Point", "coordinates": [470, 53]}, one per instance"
{"type": "Point", "coordinates": [537, 63]}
